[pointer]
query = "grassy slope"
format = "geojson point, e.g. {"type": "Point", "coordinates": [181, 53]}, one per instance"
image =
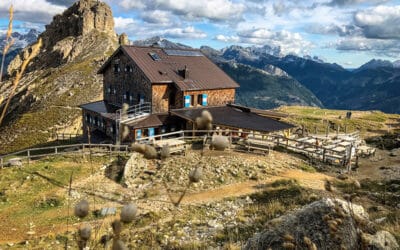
{"type": "Point", "coordinates": [364, 121]}
{"type": "Point", "coordinates": [59, 92]}
{"type": "Point", "coordinates": [260, 90]}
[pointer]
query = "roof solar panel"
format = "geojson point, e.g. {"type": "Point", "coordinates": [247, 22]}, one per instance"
{"type": "Point", "coordinates": [155, 56]}
{"type": "Point", "coordinates": [175, 52]}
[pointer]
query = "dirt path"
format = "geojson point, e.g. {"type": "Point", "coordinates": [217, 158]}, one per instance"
{"type": "Point", "coordinates": [308, 180]}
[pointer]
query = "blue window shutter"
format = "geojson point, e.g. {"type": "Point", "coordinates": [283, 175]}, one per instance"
{"type": "Point", "coordinates": [204, 101]}
{"type": "Point", "coordinates": [141, 98]}
{"type": "Point", "coordinates": [187, 101]}
{"type": "Point", "coordinates": [151, 132]}
{"type": "Point", "coordinates": [138, 133]}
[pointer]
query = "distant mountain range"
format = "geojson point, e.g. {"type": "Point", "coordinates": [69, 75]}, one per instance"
{"type": "Point", "coordinates": [270, 79]}
{"type": "Point", "coordinates": [20, 42]}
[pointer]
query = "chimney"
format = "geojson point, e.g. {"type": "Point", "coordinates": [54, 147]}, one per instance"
{"type": "Point", "coordinates": [184, 72]}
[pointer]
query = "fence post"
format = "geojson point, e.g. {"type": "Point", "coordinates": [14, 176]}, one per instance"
{"type": "Point", "coordinates": [29, 156]}
{"type": "Point", "coordinates": [1, 162]}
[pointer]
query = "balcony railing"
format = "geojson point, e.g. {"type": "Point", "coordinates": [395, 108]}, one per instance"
{"type": "Point", "coordinates": [134, 112]}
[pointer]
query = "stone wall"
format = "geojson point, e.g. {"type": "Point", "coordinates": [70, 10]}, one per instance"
{"type": "Point", "coordinates": [214, 97]}
{"type": "Point", "coordinates": [129, 78]}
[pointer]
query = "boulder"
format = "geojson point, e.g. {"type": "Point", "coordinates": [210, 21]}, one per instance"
{"type": "Point", "coordinates": [382, 240]}
{"type": "Point", "coordinates": [324, 224]}
{"type": "Point", "coordinates": [15, 162]}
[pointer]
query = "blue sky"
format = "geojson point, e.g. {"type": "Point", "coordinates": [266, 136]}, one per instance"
{"type": "Point", "coordinates": [348, 32]}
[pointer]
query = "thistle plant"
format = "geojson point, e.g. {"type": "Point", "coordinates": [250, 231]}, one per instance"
{"type": "Point", "coordinates": [165, 152]}
{"type": "Point", "coordinates": [84, 233]}
{"type": "Point", "coordinates": [82, 209]}
{"type": "Point", "coordinates": [128, 213]}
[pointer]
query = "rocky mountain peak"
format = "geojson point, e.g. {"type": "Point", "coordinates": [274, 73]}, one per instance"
{"type": "Point", "coordinates": [75, 31]}
{"type": "Point", "coordinates": [80, 19]}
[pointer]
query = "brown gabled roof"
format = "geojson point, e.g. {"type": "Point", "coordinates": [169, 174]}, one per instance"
{"type": "Point", "coordinates": [268, 113]}
{"type": "Point", "coordinates": [202, 73]}
{"type": "Point", "coordinates": [235, 118]}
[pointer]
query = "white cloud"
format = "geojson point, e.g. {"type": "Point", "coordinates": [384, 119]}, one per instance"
{"type": "Point", "coordinates": [287, 42]}
{"type": "Point", "coordinates": [227, 39]}
{"type": "Point", "coordinates": [212, 10]}
{"type": "Point", "coordinates": [379, 22]}
{"type": "Point", "coordinates": [379, 47]}
{"type": "Point", "coordinates": [121, 23]}
{"type": "Point", "coordinates": [354, 2]}
{"type": "Point", "coordinates": [157, 17]}
{"type": "Point", "coordinates": [37, 11]}
{"type": "Point", "coordinates": [188, 33]}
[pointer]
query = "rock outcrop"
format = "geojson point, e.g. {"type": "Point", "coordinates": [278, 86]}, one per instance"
{"type": "Point", "coordinates": [60, 78]}
{"type": "Point", "coordinates": [324, 224]}
{"type": "Point", "coordinates": [63, 38]}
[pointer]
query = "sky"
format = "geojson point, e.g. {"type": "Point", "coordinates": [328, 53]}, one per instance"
{"type": "Point", "coordinates": [347, 32]}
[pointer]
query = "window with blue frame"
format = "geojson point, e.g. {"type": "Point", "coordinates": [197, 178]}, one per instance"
{"type": "Point", "coordinates": [138, 133]}
{"type": "Point", "coordinates": [187, 101]}
{"type": "Point", "coordinates": [151, 132]}
{"type": "Point", "coordinates": [204, 100]}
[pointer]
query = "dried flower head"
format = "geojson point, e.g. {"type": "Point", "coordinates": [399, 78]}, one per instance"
{"type": "Point", "coordinates": [85, 232]}
{"type": "Point", "coordinates": [165, 152]}
{"type": "Point", "coordinates": [140, 148]}
{"type": "Point", "coordinates": [82, 209]}
{"type": "Point", "coordinates": [207, 117]}
{"type": "Point", "coordinates": [219, 142]}
{"type": "Point", "coordinates": [128, 213]}
{"type": "Point", "coordinates": [118, 245]}
{"type": "Point", "coordinates": [195, 175]}
{"type": "Point", "coordinates": [116, 226]}
{"type": "Point", "coordinates": [150, 152]}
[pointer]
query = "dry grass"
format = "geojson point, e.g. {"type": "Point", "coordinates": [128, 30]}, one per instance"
{"type": "Point", "coordinates": [35, 50]}
{"type": "Point", "coordinates": [33, 53]}
{"type": "Point", "coordinates": [9, 42]}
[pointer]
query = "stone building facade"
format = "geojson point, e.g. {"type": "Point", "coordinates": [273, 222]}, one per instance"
{"type": "Point", "coordinates": [161, 80]}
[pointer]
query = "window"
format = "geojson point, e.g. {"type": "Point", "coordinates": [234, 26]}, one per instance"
{"type": "Point", "coordinates": [155, 56]}
{"type": "Point", "coordinates": [204, 100]}
{"type": "Point", "coordinates": [128, 68]}
{"type": "Point", "coordinates": [96, 121]}
{"type": "Point", "coordinates": [114, 90]}
{"type": "Point", "coordinates": [116, 68]}
{"type": "Point", "coordinates": [200, 99]}
{"type": "Point", "coordinates": [141, 98]}
{"type": "Point", "coordinates": [127, 96]}
{"type": "Point", "coordinates": [87, 118]}
{"type": "Point", "coordinates": [187, 101]}
{"type": "Point", "coordinates": [192, 100]}
{"type": "Point", "coordinates": [108, 90]}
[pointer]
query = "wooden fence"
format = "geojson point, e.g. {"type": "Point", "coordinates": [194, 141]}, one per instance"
{"type": "Point", "coordinates": [326, 150]}
{"type": "Point", "coordinates": [83, 148]}
{"type": "Point", "coordinates": [66, 136]}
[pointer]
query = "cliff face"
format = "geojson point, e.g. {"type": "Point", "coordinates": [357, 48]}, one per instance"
{"type": "Point", "coordinates": [61, 77]}
{"type": "Point", "coordinates": [80, 19]}
{"type": "Point", "coordinates": [67, 36]}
